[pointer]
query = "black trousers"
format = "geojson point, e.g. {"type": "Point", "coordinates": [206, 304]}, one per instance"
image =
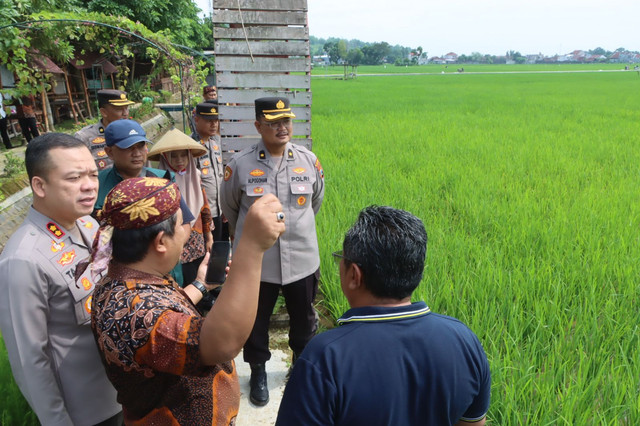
{"type": "Point", "coordinates": [29, 128]}
{"type": "Point", "coordinates": [3, 132]}
{"type": "Point", "coordinates": [299, 297]}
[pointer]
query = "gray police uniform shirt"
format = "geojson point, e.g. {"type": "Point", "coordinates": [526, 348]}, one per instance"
{"type": "Point", "coordinates": [45, 318]}
{"type": "Point", "coordinates": [210, 166]}
{"type": "Point", "coordinates": [93, 137]}
{"type": "Point", "coordinates": [297, 179]}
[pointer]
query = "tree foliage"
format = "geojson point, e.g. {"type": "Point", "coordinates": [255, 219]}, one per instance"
{"type": "Point", "coordinates": [63, 35]}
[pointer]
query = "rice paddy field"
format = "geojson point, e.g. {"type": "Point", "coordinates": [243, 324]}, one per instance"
{"type": "Point", "coordinates": [528, 188]}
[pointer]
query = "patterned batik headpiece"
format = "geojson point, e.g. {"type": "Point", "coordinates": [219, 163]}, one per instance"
{"type": "Point", "coordinates": [132, 204]}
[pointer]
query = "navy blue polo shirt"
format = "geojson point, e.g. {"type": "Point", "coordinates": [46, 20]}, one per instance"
{"type": "Point", "coordinates": [389, 366]}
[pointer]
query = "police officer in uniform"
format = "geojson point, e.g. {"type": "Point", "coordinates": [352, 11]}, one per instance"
{"type": "Point", "coordinates": [45, 312]}
{"type": "Point", "coordinates": [113, 105]}
{"type": "Point", "coordinates": [210, 165]}
{"type": "Point", "coordinates": [295, 176]}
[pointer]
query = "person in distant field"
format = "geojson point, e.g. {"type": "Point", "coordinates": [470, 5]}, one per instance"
{"type": "Point", "coordinates": [44, 310]}
{"type": "Point", "coordinates": [294, 174]}
{"type": "Point", "coordinates": [170, 365]}
{"type": "Point", "coordinates": [25, 109]}
{"type": "Point", "coordinates": [113, 105]}
{"type": "Point", "coordinates": [389, 361]}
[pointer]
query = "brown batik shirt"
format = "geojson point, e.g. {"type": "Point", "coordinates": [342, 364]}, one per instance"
{"type": "Point", "coordinates": [148, 334]}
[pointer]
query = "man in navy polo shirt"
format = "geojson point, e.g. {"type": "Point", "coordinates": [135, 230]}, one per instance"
{"type": "Point", "coordinates": [390, 361]}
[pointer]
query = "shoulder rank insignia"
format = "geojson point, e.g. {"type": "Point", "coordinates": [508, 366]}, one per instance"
{"type": "Point", "coordinates": [319, 167]}
{"type": "Point", "coordinates": [55, 230]}
{"type": "Point", "coordinates": [262, 155]}
{"type": "Point", "coordinates": [87, 304]}
{"type": "Point", "coordinates": [67, 258]}
{"type": "Point", "coordinates": [227, 173]}
{"type": "Point", "coordinates": [290, 153]}
{"type": "Point", "coordinates": [256, 172]}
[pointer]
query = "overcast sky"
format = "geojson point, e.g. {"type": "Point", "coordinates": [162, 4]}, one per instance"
{"type": "Point", "coordinates": [485, 26]}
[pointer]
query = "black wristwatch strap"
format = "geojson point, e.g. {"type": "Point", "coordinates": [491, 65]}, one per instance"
{"type": "Point", "coordinates": [197, 284]}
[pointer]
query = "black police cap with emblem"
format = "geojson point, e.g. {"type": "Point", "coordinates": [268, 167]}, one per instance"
{"type": "Point", "coordinates": [113, 97]}
{"type": "Point", "coordinates": [273, 108]}
{"type": "Point", "coordinates": [207, 110]}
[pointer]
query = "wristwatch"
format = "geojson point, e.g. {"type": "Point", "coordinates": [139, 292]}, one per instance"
{"type": "Point", "coordinates": [197, 284]}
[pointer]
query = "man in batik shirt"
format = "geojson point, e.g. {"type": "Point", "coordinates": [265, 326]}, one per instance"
{"type": "Point", "coordinates": [168, 363]}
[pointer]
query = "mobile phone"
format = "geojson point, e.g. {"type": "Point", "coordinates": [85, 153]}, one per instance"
{"type": "Point", "coordinates": [218, 261]}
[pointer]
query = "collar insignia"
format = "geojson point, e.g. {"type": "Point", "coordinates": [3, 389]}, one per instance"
{"type": "Point", "coordinates": [55, 230]}
{"type": "Point", "coordinates": [262, 155]}
{"type": "Point", "coordinates": [290, 153]}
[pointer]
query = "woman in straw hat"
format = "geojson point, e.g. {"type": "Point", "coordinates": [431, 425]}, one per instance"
{"type": "Point", "coordinates": [176, 152]}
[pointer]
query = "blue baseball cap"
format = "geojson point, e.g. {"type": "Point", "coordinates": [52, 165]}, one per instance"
{"type": "Point", "coordinates": [124, 134]}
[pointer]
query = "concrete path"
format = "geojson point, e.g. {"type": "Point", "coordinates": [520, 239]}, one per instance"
{"type": "Point", "coordinates": [277, 367]}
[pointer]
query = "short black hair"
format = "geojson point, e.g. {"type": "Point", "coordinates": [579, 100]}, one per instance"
{"type": "Point", "coordinates": [389, 245]}
{"type": "Point", "coordinates": [36, 157]}
{"type": "Point", "coordinates": [132, 245]}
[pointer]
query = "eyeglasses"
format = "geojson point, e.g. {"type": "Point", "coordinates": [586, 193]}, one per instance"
{"type": "Point", "coordinates": [275, 125]}
{"type": "Point", "coordinates": [339, 255]}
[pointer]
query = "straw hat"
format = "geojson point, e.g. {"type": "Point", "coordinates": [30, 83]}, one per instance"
{"type": "Point", "coordinates": [175, 140]}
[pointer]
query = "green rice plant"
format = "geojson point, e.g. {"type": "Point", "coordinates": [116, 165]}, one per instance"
{"type": "Point", "coordinates": [14, 409]}
{"type": "Point", "coordinates": [527, 185]}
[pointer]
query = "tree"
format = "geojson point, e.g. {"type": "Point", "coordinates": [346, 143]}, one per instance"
{"type": "Point", "coordinates": [355, 57]}
{"type": "Point", "coordinates": [179, 18]}
{"type": "Point", "coordinates": [375, 53]}
{"type": "Point", "coordinates": [331, 47]}
{"type": "Point", "coordinates": [342, 49]}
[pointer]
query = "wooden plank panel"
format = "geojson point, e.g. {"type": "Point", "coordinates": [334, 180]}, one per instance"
{"type": "Point", "coordinates": [262, 33]}
{"type": "Point", "coordinates": [259, 17]}
{"type": "Point", "coordinates": [292, 48]}
{"type": "Point", "coordinates": [226, 79]}
{"type": "Point", "coordinates": [248, 112]}
{"type": "Point", "coordinates": [247, 128]}
{"type": "Point", "coordinates": [234, 95]}
{"type": "Point", "coordinates": [261, 4]}
{"type": "Point", "coordinates": [238, 144]}
{"type": "Point", "coordinates": [261, 64]}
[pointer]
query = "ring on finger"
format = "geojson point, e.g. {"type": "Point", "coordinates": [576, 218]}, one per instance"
{"type": "Point", "coordinates": [280, 216]}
